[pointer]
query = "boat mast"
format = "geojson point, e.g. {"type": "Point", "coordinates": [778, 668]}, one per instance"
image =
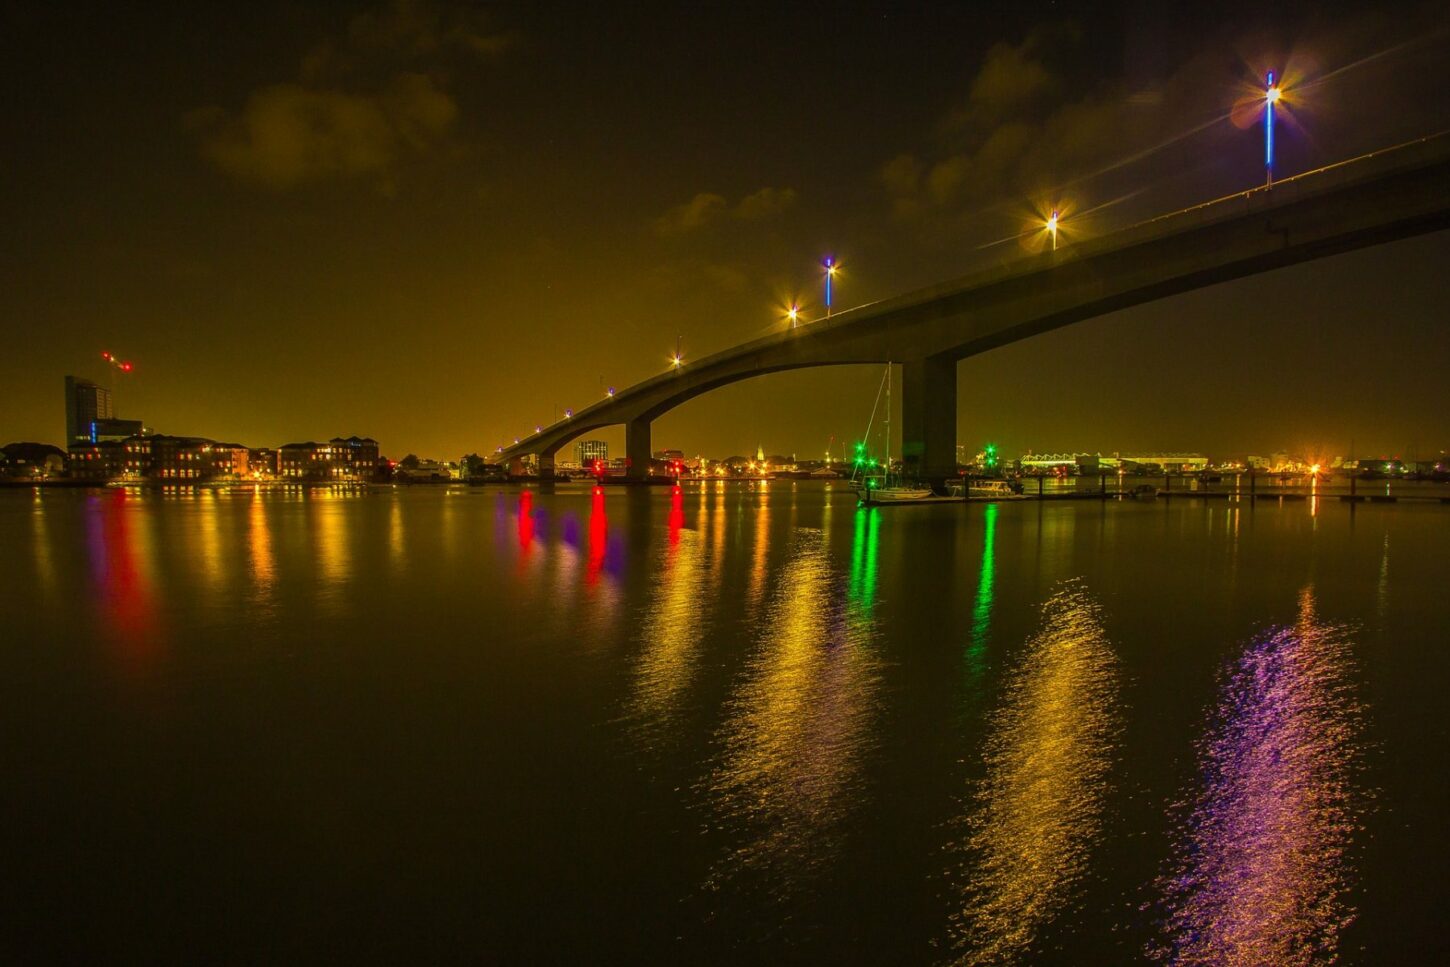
{"type": "Point", "coordinates": [888, 422]}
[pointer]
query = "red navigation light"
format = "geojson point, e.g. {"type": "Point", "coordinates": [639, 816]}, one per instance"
{"type": "Point", "coordinates": [125, 367]}
{"type": "Point", "coordinates": [106, 356]}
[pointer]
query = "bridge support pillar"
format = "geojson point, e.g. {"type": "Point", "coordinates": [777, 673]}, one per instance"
{"type": "Point", "coordinates": [929, 419]}
{"type": "Point", "coordinates": [636, 449]}
{"type": "Point", "coordinates": [545, 464]}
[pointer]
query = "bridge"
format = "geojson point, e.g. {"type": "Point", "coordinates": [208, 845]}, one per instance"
{"type": "Point", "coordinates": [1381, 197]}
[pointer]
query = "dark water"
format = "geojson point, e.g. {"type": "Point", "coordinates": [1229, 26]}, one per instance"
{"type": "Point", "coordinates": [735, 725]}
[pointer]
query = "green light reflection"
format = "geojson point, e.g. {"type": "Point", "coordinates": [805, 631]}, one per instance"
{"type": "Point", "coordinates": [982, 610]}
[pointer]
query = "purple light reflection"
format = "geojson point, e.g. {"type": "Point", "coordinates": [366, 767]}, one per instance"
{"type": "Point", "coordinates": [1261, 871]}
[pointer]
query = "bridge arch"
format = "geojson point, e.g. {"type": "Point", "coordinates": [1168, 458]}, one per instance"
{"type": "Point", "coordinates": [1382, 197]}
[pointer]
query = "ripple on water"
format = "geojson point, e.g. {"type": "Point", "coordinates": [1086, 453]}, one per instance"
{"type": "Point", "coordinates": [1031, 824]}
{"type": "Point", "coordinates": [1260, 872]}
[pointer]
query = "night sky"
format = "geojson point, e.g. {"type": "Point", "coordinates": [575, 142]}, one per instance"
{"type": "Point", "coordinates": [441, 224]}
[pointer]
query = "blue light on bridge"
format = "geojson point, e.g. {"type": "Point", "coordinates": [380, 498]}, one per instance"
{"type": "Point", "coordinates": [830, 276]}
{"type": "Point", "coordinates": [1271, 97]}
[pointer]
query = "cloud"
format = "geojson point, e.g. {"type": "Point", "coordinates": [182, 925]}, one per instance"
{"type": "Point", "coordinates": [1011, 134]}
{"type": "Point", "coordinates": [706, 208]}
{"type": "Point", "coordinates": [288, 134]}
{"type": "Point", "coordinates": [1043, 123]}
{"type": "Point", "coordinates": [1010, 78]}
{"type": "Point", "coordinates": [698, 212]}
{"type": "Point", "coordinates": [764, 203]}
{"type": "Point", "coordinates": [362, 103]}
{"type": "Point", "coordinates": [406, 31]}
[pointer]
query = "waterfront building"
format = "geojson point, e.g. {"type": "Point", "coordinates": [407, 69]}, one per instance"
{"type": "Point", "coordinates": [104, 460]}
{"type": "Point", "coordinates": [85, 403]}
{"type": "Point", "coordinates": [431, 471]}
{"type": "Point", "coordinates": [195, 458]}
{"type": "Point", "coordinates": [1188, 462]}
{"type": "Point", "coordinates": [1051, 462]}
{"type": "Point", "coordinates": [31, 459]}
{"type": "Point", "coordinates": [588, 451]}
{"type": "Point", "coordinates": [262, 463]}
{"type": "Point", "coordinates": [350, 458]}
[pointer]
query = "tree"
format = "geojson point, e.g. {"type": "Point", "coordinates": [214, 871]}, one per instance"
{"type": "Point", "coordinates": [410, 462]}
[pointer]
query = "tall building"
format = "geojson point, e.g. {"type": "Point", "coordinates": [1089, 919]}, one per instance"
{"type": "Point", "coordinates": [588, 451]}
{"type": "Point", "coordinates": [85, 403]}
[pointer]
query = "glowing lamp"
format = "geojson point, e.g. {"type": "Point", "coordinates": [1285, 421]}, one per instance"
{"type": "Point", "coordinates": [830, 264]}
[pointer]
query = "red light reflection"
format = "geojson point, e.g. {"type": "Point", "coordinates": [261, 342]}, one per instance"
{"type": "Point", "coordinates": [598, 537]}
{"type": "Point", "coordinates": [677, 514]}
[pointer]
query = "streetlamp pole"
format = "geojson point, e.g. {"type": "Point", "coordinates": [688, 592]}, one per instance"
{"type": "Point", "coordinates": [1271, 97]}
{"type": "Point", "coordinates": [830, 276]}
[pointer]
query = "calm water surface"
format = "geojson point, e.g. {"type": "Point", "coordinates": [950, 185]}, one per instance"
{"type": "Point", "coordinates": [735, 724]}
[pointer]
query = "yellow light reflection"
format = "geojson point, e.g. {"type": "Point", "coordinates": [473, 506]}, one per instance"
{"type": "Point", "coordinates": [40, 540]}
{"type": "Point", "coordinates": [209, 536]}
{"type": "Point", "coordinates": [756, 588]}
{"type": "Point", "coordinates": [1034, 819]}
{"type": "Point", "coordinates": [798, 727]}
{"type": "Point", "coordinates": [329, 521]}
{"type": "Point", "coordinates": [673, 629]}
{"type": "Point", "coordinates": [397, 534]}
{"type": "Point", "coordinates": [259, 544]}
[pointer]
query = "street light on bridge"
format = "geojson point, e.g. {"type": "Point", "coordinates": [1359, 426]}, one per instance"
{"type": "Point", "coordinates": [1272, 94]}
{"type": "Point", "coordinates": [830, 264]}
{"type": "Point", "coordinates": [1052, 228]}
{"type": "Point", "coordinates": [793, 313]}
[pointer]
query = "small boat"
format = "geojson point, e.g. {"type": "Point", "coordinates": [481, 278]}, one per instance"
{"type": "Point", "coordinates": [895, 493]}
{"type": "Point", "coordinates": [992, 490]}
{"type": "Point", "coordinates": [888, 487]}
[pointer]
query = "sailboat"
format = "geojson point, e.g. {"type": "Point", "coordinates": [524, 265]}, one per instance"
{"type": "Point", "coordinates": [889, 488]}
